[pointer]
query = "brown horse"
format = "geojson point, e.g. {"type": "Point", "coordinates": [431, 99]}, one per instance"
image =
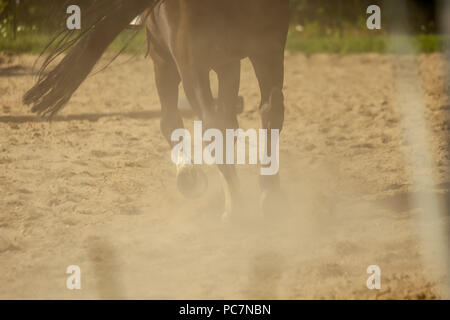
{"type": "Point", "coordinates": [189, 38]}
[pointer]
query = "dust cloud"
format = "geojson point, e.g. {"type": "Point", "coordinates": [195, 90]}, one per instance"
{"type": "Point", "coordinates": [96, 188]}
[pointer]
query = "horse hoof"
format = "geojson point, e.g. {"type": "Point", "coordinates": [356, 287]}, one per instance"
{"type": "Point", "coordinates": [191, 181]}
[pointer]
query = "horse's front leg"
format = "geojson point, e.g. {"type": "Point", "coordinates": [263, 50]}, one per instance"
{"type": "Point", "coordinates": [191, 180]}
{"type": "Point", "coordinates": [229, 104]}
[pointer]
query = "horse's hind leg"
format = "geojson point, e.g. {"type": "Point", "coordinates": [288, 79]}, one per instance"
{"type": "Point", "coordinates": [269, 69]}
{"type": "Point", "coordinates": [167, 83]}
{"type": "Point", "coordinates": [228, 99]}
{"type": "Point", "coordinates": [191, 180]}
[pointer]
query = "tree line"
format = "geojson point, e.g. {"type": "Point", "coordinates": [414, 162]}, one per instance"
{"type": "Point", "coordinates": [331, 14]}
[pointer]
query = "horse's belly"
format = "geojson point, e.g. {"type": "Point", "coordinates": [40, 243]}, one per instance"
{"type": "Point", "coordinates": [217, 31]}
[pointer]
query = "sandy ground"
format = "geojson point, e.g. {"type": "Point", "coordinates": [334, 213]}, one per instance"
{"type": "Point", "coordinates": [96, 188]}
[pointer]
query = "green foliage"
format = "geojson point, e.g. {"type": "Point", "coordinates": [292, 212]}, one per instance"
{"type": "Point", "coordinates": [34, 42]}
{"type": "Point", "coordinates": [333, 26]}
{"type": "Point", "coordinates": [349, 44]}
{"type": "Point", "coordinates": [315, 42]}
{"type": "Point", "coordinates": [29, 43]}
{"type": "Point", "coordinates": [3, 5]}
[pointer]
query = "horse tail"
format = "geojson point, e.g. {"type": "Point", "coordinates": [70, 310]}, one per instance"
{"type": "Point", "coordinates": [103, 21]}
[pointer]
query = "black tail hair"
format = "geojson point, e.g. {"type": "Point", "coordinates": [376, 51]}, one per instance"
{"type": "Point", "coordinates": [102, 22]}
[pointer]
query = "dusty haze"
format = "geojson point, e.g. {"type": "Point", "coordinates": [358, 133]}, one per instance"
{"type": "Point", "coordinates": [96, 188]}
